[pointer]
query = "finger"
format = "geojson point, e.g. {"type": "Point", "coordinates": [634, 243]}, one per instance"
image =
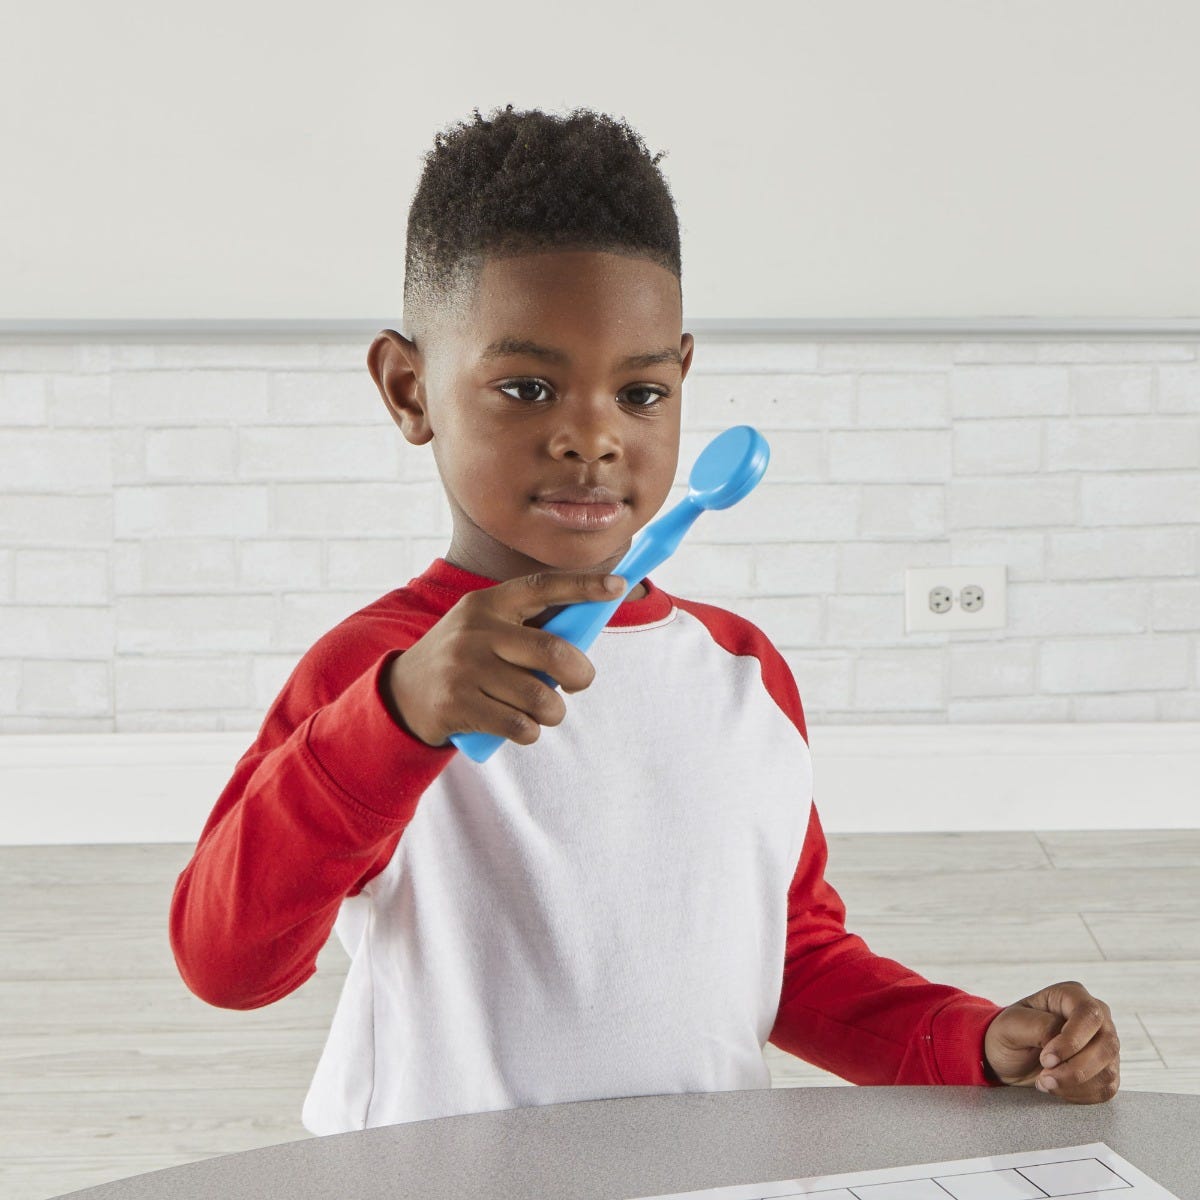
{"type": "Point", "coordinates": [1085, 1017]}
{"type": "Point", "coordinates": [523, 691]}
{"type": "Point", "coordinates": [489, 715]}
{"type": "Point", "coordinates": [1098, 1087]}
{"type": "Point", "coordinates": [536, 650]}
{"type": "Point", "coordinates": [1080, 1073]}
{"type": "Point", "coordinates": [519, 599]}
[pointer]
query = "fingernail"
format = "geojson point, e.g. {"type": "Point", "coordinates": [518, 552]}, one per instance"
{"type": "Point", "coordinates": [1047, 1083]}
{"type": "Point", "coordinates": [614, 583]}
{"type": "Point", "coordinates": [1050, 1060]}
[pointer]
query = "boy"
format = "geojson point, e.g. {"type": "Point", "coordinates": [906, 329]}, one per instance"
{"type": "Point", "coordinates": [630, 900]}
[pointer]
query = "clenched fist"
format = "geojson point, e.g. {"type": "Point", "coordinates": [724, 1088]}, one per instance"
{"type": "Point", "coordinates": [1062, 1039]}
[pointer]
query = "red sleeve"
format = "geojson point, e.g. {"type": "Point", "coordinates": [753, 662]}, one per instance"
{"type": "Point", "coordinates": [842, 1007]}
{"type": "Point", "coordinates": [867, 1018]}
{"type": "Point", "coordinates": [314, 810]}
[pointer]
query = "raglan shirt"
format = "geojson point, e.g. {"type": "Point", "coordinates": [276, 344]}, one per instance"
{"type": "Point", "coordinates": [632, 905]}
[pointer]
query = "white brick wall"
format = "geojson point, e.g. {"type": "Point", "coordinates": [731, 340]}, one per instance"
{"type": "Point", "coordinates": [180, 520]}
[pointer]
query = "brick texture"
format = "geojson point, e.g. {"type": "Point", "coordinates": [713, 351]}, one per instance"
{"type": "Point", "coordinates": [180, 521]}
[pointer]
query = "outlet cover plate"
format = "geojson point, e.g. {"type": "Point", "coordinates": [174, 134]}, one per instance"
{"type": "Point", "coordinates": [920, 581]}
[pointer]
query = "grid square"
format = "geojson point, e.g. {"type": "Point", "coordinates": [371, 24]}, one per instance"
{"type": "Point", "coordinates": [1071, 1178]}
{"type": "Point", "coordinates": [991, 1185]}
{"type": "Point", "coordinates": [904, 1189]}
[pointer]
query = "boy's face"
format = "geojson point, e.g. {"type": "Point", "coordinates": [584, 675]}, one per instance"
{"type": "Point", "coordinates": [511, 425]}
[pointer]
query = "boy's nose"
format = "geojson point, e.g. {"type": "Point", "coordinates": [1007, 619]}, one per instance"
{"type": "Point", "coordinates": [586, 432]}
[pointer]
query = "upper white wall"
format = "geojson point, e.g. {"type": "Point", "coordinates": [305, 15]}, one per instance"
{"type": "Point", "coordinates": [862, 158]}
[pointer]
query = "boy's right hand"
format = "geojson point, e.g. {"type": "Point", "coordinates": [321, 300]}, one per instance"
{"type": "Point", "coordinates": [473, 670]}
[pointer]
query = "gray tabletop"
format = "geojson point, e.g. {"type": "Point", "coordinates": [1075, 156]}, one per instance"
{"type": "Point", "coordinates": [642, 1145]}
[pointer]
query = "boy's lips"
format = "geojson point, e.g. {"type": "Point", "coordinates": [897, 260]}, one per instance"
{"type": "Point", "coordinates": [577, 494]}
{"type": "Point", "coordinates": [581, 507]}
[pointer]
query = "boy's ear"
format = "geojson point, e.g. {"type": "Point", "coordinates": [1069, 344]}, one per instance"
{"type": "Point", "coordinates": [396, 366]}
{"type": "Point", "coordinates": [686, 345]}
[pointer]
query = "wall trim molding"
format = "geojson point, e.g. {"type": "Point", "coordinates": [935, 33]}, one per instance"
{"type": "Point", "coordinates": [714, 327]}
{"type": "Point", "coordinates": [73, 789]}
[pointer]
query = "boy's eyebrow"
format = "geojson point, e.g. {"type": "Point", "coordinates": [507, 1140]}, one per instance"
{"type": "Point", "coordinates": [512, 345]}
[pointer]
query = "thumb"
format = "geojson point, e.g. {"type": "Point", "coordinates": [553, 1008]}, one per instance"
{"type": "Point", "coordinates": [1040, 1027]}
{"type": "Point", "coordinates": [1016, 1038]}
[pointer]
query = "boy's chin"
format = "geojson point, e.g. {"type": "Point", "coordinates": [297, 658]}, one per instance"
{"type": "Point", "coordinates": [573, 552]}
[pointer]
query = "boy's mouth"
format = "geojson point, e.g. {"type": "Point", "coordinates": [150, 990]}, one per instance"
{"type": "Point", "coordinates": [577, 493]}
{"type": "Point", "coordinates": [579, 507]}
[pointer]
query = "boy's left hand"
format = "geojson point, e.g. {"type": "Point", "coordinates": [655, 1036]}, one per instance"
{"type": "Point", "coordinates": [1086, 1064]}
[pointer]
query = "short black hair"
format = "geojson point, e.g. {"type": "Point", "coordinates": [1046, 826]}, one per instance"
{"type": "Point", "coordinates": [519, 182]}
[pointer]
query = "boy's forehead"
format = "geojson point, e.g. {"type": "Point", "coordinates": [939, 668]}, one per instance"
{"type": "Point", "coordinates": [532, 303]}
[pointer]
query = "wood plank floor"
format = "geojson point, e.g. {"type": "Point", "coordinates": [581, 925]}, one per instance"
{"type": "Point", "coordinates": [109, 1067]}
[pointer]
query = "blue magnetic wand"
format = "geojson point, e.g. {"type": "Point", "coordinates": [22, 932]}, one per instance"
{"type": "Point", "coordinates": [726, 471]}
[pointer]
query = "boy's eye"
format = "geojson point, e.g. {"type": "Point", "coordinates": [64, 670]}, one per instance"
{"type": "Point", "coordinates": [518, 384]}
{"type": "Point", "coordinates": [653, 395]}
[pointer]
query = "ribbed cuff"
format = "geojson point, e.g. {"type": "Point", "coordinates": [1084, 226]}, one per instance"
{"type": "Point", "coordinates": [367, 755]}
{"type": "Point", "coordinates": [957, 1030]}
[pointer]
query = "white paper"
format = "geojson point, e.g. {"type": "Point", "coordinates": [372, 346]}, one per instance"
{"type": "Point", "coordinates": [1091, 1172]}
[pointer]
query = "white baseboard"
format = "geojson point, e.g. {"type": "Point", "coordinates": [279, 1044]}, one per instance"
{"type": "Point", "coordinates": [74, 789]}
{"type": "Point", "coordinates": [913, 778]}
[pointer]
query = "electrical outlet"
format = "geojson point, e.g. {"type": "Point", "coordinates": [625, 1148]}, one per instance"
{"type": "Point", "coordinates": [940, 599]}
